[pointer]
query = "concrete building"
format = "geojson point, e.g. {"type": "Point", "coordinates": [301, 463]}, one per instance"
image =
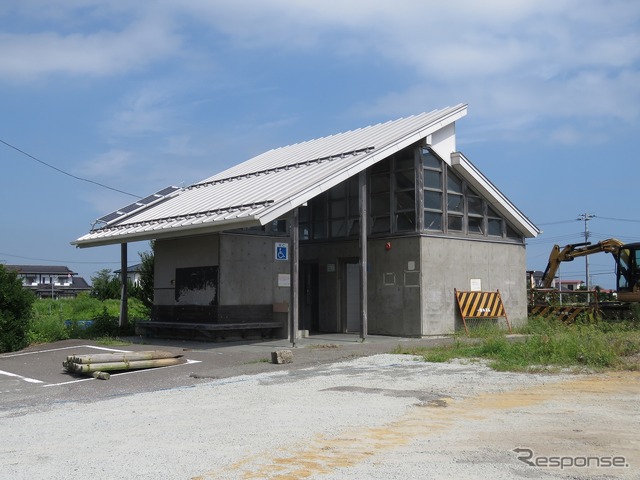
{"type": "Point", "coordinates": [290, 227]}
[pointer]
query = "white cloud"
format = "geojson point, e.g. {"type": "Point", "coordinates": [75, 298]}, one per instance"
{"type": "Point", "coordinates": [102, 52]}
{"type": "Point", "coordinates": [148, 111]}
{"type": "Point", "coordinates": [523, 60]}
{"type": "Point", "coordinates": [113, 163]}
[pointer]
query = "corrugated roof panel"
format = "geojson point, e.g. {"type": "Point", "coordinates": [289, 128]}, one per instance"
{"type": "Point", "coordinates": [374, 136]}
{"type": "Point", "coordinates": [267, 185]}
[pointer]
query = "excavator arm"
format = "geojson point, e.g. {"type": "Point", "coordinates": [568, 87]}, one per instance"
{"type": "Point", "coordinates": [573, 251]}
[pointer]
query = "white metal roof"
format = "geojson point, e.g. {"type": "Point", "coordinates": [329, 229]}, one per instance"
{"type": "Point", "coordinates": [268, 186]}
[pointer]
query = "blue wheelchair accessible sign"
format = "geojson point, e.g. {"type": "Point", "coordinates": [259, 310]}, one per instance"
{"type": "Point", "coordinates": [282, 251]}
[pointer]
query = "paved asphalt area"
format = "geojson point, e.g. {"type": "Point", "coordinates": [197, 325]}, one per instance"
{"type": "Point", "coordinates": [33, 378]}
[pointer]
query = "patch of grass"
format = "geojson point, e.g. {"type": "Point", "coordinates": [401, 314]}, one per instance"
{"type": "Point", "coordinates": [323, 346]}
{"type": "Point", "coordinates": [260, 360]}
{"type": "Point", "coordinates": [550, 345]}
{"type": "Point", "coordinates": [81, 317]}
{"type": "Point", "coordinates": [112, 341]}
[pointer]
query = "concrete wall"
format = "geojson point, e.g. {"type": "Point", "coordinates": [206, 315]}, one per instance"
{"type": "Point", "coordinates": [449, 264]}
{"type": "Point", "coordinates": [249, 271]}
{"type": "Point", "coordinates": [183, 252]}
{"type": "Point", "coordinates": [411, 284]}
{"type": "Point", "coordinates": [394, 286]}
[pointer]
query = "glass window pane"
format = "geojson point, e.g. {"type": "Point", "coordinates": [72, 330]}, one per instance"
{"type": "Point", "coordinates": [303, 214]}
{"type": "Point", "coordinates": [354, 228]}
{"type": "Point", "coordinates": [318, 208]}
{"type": "Point", "coordinates": [454, 223]}
{"type": "Point", "coordinates": [474, 205]}
{"type": "Point", "coordinates": [354, 207]}
{"type": "Point", "coordinates": [433, 179]}
{"type": "Point", "coordinates": [338, 209]}
{"type": "Point", "coordinates": [380, 224]}
{"type": "Point", "coordinates": [379, 183]}
{"type": "Point", "coordinates": [475, 225]}
{"type": "Point", "coordinates": [353, 185]}
{"type": "Point", "coordinates": [454, 185]}
{"type": "Point", "coordinates": [381, 167]}
{"type": "Point", "coordinates": [433, 221]}
{"type": "Point", "coordinates": [511, 233]}
{"type": "Point", "coordinates": [405, 161]}
{"type": "Point", "coordinates": [278, 226]}
{"type": "Point", "coordinates": [339, 191]}
{"type": "Point", "coordinates": [339, 228]}
{"type": "Point", "coordinates": [380, 204]}
{"type": "Point", "coordinates": [405, 179]}
{"type": "Point", "coordinates": [319, 231]}
{"type": "Point", "coordinates": [492, 213]}
{"type": "Point", "coordinates": [406, 221]}
{"type": "Point", "coordinates": [432, 200]}
{"type": "Point", "coordinates": [406, 200]}
{"type": "Point", "coordinates": [429, 160]}
{"type": "Point", "coordinates": [495, 227]}
{"type": "Point", "coordinates": [455, 203]}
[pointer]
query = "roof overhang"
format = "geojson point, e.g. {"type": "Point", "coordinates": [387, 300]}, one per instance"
{"type": "Point", "coordinates": [498, 200]}
{"type": "Point", "coordinates": [285, 191]}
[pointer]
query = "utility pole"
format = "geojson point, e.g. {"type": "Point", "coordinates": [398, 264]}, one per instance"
{"type": "Point", "coordinates": [585, 217]}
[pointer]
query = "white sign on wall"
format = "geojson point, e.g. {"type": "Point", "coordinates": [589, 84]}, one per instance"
{"type": "Point", "coordinates": [475, 285]}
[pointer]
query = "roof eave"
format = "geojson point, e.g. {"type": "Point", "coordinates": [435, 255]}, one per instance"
{"type": "Point", "coordinates": [182, 231]}
{"type": "Point", "coordinates": [503, 205]}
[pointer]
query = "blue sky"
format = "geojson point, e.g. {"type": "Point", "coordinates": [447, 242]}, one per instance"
{"type": "Point", "coordinates": [141, 95]}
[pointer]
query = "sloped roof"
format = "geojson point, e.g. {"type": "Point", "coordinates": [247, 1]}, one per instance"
{"type": "Point", "coordinates": [40, 269]}
{"type": "Point", "coordinates": [269, 185]}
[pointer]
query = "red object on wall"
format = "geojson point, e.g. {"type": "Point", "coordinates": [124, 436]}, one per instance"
{"type": "Point", "coordinates": [387, 246]}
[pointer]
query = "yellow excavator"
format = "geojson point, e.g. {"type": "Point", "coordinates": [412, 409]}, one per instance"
{"type": "Point", "coordinates": [627, 258]}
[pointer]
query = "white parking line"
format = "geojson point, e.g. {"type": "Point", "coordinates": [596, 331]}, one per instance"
{"type": "Point", "coordinates": [26, 379]}
{"type": "Point", "coordinates": [33, 380]}
{"type": "Point", "coordinates": [63, 348]}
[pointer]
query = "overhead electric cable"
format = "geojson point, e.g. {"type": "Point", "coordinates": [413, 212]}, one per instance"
{"type": "Point", "coordinates": [67, 173]}
{"type": "Point", "coordinates": [558, 222]}
{"type": "Point", "coordinates": [55, 261]}
{"type": "Point", "coordinates": [620, 219]}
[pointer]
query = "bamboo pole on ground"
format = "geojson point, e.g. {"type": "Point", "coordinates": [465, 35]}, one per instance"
{"type": "Point", "coordinates": [126, 365]}
{"type": "Point", "coordinates": [121, 357]}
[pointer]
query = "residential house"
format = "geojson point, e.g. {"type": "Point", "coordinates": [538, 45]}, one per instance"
{"type": "Point", "coordinates": [134, 273]}
{"type": "Point", "coordinates": [49, 281]}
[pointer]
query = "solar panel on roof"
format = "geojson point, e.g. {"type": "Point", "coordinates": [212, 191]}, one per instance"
{"type": "Point", "coordinates": [121, 212]}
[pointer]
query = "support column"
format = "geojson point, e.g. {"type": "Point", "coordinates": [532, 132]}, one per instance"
{"type": "Point", "coordinates": [124, 294]}
{"type": "Point", "coordinates": [362, 183]}
{"type": "Point", "coordinates": [294, 260]}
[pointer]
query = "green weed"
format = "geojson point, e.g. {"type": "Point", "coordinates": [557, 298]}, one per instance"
{"type": "Point", "coordinates": [550, 344]}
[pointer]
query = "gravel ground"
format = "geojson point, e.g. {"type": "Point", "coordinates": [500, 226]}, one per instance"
{"type": "Point", "coordinates": [383, 416]}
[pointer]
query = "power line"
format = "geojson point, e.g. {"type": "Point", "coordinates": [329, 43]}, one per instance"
{"type": "Point", "coordinates": [619, 219]}
{"type": "Point", "coordinates": [67, 173]}
{"type": "Point", "coordinates": [55, 261]}
{"type": "Point", "coordinates": [558, 222]}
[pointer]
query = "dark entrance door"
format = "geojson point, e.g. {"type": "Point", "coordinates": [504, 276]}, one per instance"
{"type": "Point", "coordinates": [309, 297]}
